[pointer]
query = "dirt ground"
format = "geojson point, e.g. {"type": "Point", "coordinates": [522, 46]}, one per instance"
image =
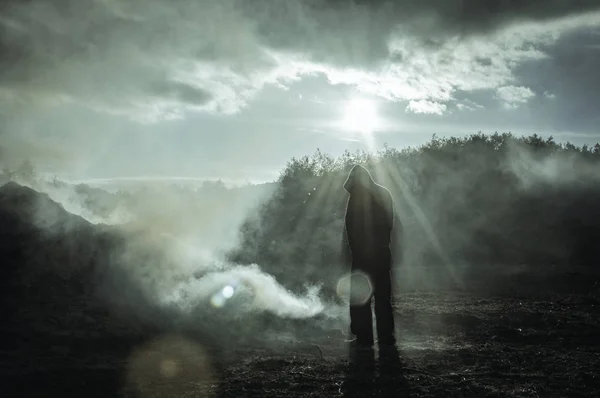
{"type": "Point", "coordinates": [450, 345]}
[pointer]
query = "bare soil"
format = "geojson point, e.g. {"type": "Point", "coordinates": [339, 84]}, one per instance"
{"type": "Point", "coordinates": [451, 344]}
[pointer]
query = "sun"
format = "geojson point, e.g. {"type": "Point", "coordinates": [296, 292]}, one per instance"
{"type": "Point", "coordinates": [360, 115]}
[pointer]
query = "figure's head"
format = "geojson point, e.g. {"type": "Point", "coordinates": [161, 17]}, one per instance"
{"type": "Point", "coordinates": [359, 177]}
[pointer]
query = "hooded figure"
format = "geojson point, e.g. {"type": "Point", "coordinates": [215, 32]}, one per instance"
{"type": "Point", "coordinates": [369, 224]}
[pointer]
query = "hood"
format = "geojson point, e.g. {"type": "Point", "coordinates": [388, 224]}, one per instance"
{"type": "Point", "coordinates": [359, 177]}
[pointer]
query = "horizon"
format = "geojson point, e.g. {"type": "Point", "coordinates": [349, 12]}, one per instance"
{"type": "Point", "coordinates": [114, 183]}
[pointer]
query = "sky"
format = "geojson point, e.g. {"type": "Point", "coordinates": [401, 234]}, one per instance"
{"type": "Point", "coordinates": [233, 89]}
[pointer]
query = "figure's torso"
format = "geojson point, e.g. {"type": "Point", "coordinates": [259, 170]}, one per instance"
{"type": "Point", "coordinates": [369, 220]}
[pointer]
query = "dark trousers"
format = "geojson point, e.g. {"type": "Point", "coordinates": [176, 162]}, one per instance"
{"type": "Point", "coordinates": [377, 266]}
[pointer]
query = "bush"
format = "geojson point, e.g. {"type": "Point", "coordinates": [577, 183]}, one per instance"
{"type": "Point", "coordinates": [482, 199]}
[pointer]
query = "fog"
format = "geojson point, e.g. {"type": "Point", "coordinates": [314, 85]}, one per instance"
{"type": "Point", "coordinates": [474, 205]}
{"type": "Point", "coordinates": [238, 264]}
{"type": "Point", "coordinates": [162, 257]}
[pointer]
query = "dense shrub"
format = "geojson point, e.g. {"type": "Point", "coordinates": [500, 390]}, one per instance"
{"type": "Point", "coordinates": [482, 199]}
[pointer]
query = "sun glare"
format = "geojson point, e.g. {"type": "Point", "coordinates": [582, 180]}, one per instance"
{"type": "Point", "coordinates": [360, 115]}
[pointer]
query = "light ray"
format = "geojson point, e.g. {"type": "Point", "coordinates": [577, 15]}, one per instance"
{"type": "Point", "coordinates": [399, 186]}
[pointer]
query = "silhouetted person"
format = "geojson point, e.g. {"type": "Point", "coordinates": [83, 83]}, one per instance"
{"type": "Point", "coordinates": [369, 224]}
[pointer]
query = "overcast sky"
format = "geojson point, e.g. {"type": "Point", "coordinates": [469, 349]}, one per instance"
{"type": "Point", "coordinates": [235, 88]}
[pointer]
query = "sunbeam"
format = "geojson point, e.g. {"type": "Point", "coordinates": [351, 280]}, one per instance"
{"type": "Point", "coordinates": [394, 177]}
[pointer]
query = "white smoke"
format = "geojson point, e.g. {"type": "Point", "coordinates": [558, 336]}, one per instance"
{"type": "Point", "coordinates": [190, 277]}
{"type": "Point", "coordinates": [558, 168]}
{"type": "Point", "coordinates": [247, 289]}
{"type": "Point", "coordinates": [202, 279]}
{"type": "Point", "coordinates": [180, 270]}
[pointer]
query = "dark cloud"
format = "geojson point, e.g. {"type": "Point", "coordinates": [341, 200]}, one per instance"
{"type": "Point", "coordinates": [484, 15]}
{"type": "Point", "coordinates": [356, 32]}
{"type": "Point", "coordinates": [480, 14]}
{"type": "Point", "coordinates": [181, 92]}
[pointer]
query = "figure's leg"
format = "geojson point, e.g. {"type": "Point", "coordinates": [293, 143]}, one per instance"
{"type": "Point", "coordinates": [361, 318]}
{"type": "Point", "coordinates": [361, 323]}
{"type": "Point", "coordinates": [384, 313]}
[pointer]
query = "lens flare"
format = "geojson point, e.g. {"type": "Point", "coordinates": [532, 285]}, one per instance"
{"type": "Point", "coordinates": [355, 288]}
{"type": "Point", "coordinates": [219, 299]}
{"type": "Point", "coordinates": [171, 366]}
{"type": "Point", "coordinates": [228, 291]}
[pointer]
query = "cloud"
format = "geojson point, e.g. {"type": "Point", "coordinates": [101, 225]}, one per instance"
{"type": "Point", "coordinates": [513, 96]}
{"type": "Point", "coordinates": [144, 59]}
{"type": "Point", "coordinates": [468, 105]}
{"type": "Point", "coordinates": [549, 95]}
{"type": "Point", "coordinates": [150, 59]}
{"type": "Point", "coordinates": [424, 106]}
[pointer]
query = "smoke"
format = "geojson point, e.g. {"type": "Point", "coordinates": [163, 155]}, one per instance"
{"type": "Point", "coordinates": [177, 282]}
{"type": "Point", "coordinates": [164, 261]}
{"type": "Point", "coordinates": [244, 289]}
{"type": "Point", "coordinates": [464, 207]}
{"type": "Point", "coordinates": [189, 278]}
{"type": "Point", "coordinates": [559, 169]}
{"type": "Point", "coordinates": [163, 265]}
{"type": "Point", "coordinates": [73, 201]}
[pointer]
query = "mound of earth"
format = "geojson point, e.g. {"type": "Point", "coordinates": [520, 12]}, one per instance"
{"type": "Point", "coordinates": [53, 266]}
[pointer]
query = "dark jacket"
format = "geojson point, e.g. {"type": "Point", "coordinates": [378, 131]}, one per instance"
{"type": "Point", "coordinates": [369, 213]}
